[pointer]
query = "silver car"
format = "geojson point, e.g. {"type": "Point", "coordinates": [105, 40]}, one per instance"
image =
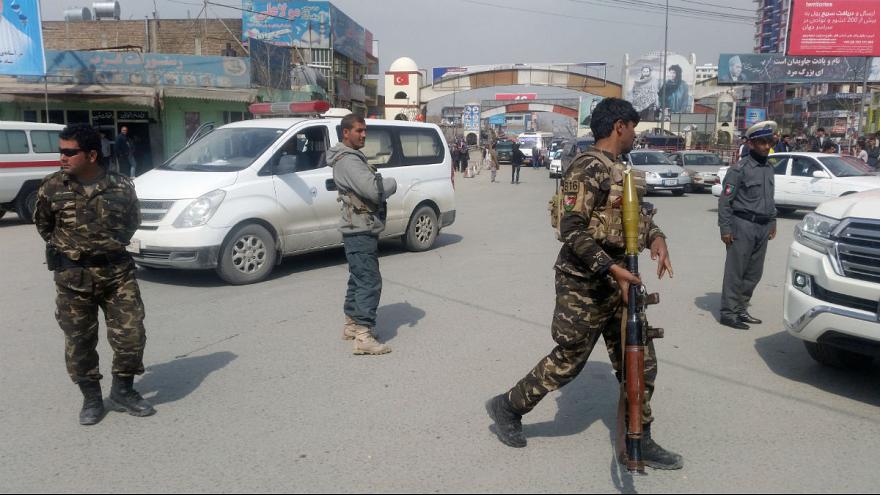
{"type": "Point", "coordinates": [661, 174]}
{"type": "Point", "coordinates": [702, 166]}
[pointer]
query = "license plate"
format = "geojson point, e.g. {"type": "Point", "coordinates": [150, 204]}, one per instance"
{"type": "Point", "coordinates": [670, 182]}
{"type": "Point", "coordinates": [134, 246]}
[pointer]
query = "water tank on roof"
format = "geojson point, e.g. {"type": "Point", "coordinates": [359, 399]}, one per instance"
{"type": "Point", "coordinates": [78, 14]}
{"type": "Point", "coordinates": [106, 10]}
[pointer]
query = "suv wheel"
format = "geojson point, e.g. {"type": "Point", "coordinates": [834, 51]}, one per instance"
{"type": "Point", "coordinates": [248, 255]}
{"type": "Point", "coordinates": [26, 205]}
{"type": "Point", "coordinates": [422, 230]}
{"type": "Point", "coordinates": [836, 357]}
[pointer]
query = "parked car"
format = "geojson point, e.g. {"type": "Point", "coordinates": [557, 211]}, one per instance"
{"type": "Point", "coordinates": [832, 281]}
{"type": "Point", "coordinates": [660, 173]}
{"type": "Point", "coordinates": [701, 166]}
{"type": "Point", "coordinates": [251, 192]}
{"type": "Point", "coordinates": [28, 153]}
{"type": "Point", "coordinates": [504, 150]}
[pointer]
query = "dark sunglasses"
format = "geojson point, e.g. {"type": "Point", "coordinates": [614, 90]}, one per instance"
{"type": "Point", "coordinates": [69, 152]}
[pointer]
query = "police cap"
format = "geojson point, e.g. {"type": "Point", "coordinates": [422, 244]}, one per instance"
{"type": "Point", "coordinates": [764, 129]}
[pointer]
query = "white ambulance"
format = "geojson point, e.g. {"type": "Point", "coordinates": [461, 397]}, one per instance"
{"type": "Point", "coordinates": [28, 153]}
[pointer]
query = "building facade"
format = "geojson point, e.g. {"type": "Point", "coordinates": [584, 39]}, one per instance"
{"type": "Point", "coordinates": [706, 72]}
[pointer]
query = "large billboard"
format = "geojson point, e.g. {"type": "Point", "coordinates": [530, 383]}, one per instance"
{"type": "Point", "coordinates": [777, 68]}
{"type": "Point", "coordinates": [302, 24]}
{"type": "Point", "coordinates": [846, 28]}
{"type": "Point", "coordinates": [470, 117]}
{"type": "Point", "coordinates": [755, 115]}
{"type": "Point", "coordinates": [649, 86]}
{"type": "Point", "coordinates": [585, 110]}
{"type": "Point", "coordinates": [21, 39]}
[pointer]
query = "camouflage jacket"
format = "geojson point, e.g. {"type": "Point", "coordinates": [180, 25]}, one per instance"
{"type": "Point", "coordinates": [591, 226]}
{"type": "Point", "coordinates": [79, 224]}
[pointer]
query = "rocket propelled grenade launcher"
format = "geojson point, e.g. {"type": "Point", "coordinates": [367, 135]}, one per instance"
{"type": "Point", "coordinates": [637, 331]}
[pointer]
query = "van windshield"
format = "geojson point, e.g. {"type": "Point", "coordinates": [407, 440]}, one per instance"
{"type": "Point", "coordinates": [224, 150]}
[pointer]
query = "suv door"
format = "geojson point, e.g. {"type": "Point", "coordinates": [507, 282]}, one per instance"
{"type": "Point", "coordinates": [299, 174]}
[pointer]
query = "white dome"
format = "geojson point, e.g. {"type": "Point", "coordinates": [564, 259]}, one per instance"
{"type": "Point", "coordinates": [404, 64]}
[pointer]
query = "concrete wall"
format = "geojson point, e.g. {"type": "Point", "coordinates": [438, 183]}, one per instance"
{"type": "Point", "coordinates": [180, 36]}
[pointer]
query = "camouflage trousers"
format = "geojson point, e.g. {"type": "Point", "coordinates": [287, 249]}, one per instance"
{"type": "Point", "coordinates": [81, 291]}
{"type": "Point", "coordinates": [585, 309]}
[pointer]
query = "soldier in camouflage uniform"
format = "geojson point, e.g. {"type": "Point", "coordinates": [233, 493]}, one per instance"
{"type": "Point", "coordinates": [87, 215]}
{"type": "Point", "coordinates": [591, 280]}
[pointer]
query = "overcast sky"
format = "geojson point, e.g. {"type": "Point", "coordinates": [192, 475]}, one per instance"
{"type": "Point", "coordinates": [438, 33]}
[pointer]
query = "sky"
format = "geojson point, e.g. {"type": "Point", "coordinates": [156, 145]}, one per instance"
{"type": "Point", "coordinates": [437, 33]}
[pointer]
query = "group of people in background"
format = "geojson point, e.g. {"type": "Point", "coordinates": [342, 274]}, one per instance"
{"type": "Point", "coordinates": [118, 155]}
{"type": "Point", "coordinates": [866, 148]}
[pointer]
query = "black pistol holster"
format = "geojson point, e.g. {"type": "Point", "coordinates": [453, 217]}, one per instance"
{"type": "Point", "coordinates": [53, 258]}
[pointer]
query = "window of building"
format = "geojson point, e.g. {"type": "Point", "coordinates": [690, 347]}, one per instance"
{"type": "Point", "coordinates": [55, 116]}
{"type": "Point", "coordinates": [420, 146]}
{"type": "Point", "coordinates": [12, 142]}
{"type": "Point", "coordinates": [229, 117]}
{"type": "Point", "coordinates": [29, 116]}
{"type": "Point", "coordinates": [401, 95]}
{"type": "Point", "coordinates": [78, 117]}
{"type": "Point", "coordinates": [45, 141]}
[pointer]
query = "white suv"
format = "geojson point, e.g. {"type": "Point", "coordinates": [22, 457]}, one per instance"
{"type": "Point", "coordinates": [832, 290]}
{"type": "Point", "coordinates": [246, 194]}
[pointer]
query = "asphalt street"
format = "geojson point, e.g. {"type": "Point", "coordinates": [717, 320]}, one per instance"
{"type": "Point", "coordinates": [255, 390]}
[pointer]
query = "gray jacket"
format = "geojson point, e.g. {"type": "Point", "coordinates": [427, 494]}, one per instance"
{"type": "Point", "coordinates": [748, 188]}
{"type": "Point", "coordinates": [359, 191]}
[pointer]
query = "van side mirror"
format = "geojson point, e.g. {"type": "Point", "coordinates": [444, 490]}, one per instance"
{"type": "Point", "coordinates": [821, 174]}
{"type": "Point", "coordinates": [286, 165]}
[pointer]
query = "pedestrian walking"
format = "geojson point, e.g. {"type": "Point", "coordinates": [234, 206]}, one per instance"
{"type": "Point", "coordinates": [363, 193]}
{"type": "Point", "coordinates": [464, 157]}
{"type": "Point", "coordinates": [491, 164]}
{"type": "Point", "coordinates": [536, 157]}
{"type": "Point", "coordinates": [125, 153]}
{"type": "Point", "coordinates": [747, 219]}
{"type": "Point", "coordinates": [87, 216]}
{"type": "Point", "coordinates": [516, 160]}
{"type": "Point", "coordinates": [456, 153]}
{"type": "Point", "coordinates": [590, 281]}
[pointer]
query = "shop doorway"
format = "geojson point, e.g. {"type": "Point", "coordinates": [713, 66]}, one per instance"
{"type": "Point", "coordinates": [139, 134]}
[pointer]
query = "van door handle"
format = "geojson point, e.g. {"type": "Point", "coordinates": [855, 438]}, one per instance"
{"type": "Point", "coordinates": [314, 191]}
{"type": "Point", "coordinates": [331, 185]}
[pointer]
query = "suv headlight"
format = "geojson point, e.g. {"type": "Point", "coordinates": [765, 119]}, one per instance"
{"type": "Point", "coordinates": [815, 232]}
{"type": "Point", "coordinates": [201, 210]}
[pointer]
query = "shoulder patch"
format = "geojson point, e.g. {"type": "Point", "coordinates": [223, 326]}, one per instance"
{"type": "Point", "coordinates": [570, 186]}
{"type": "Point", "coordinates": [729, 190]}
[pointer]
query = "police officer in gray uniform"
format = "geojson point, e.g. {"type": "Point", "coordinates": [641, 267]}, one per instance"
{"type": "Point", "coordinates": [747, 218]}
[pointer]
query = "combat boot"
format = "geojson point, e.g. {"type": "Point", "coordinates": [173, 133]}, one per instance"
{"type": "Point", "coordinates": [365, 343]}
{"type": "Point", "coordinates": [656, 456]}
{"type": "Point", "coordinates": [349, 329]}
{"type": "Point", "coordinates": [93, 403]}
{"type": "Point", "coordinates": [508, 423]}
{"type": "Point", "coordinates": [124, 398]}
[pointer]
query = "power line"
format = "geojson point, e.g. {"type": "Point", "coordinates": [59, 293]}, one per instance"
{"type": "Point", "coordinates": [687, 12]}
{"type": "Point", "coordinates": [558, 14]}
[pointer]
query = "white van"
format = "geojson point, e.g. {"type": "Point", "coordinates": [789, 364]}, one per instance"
{"type": "Point", "coordinates": [28, 153]}
{"type": "Point", "coordinates": [229, 202]}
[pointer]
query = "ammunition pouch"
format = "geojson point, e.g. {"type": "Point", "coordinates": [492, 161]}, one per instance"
{"type": "Point", "coordinates": [52, 258]}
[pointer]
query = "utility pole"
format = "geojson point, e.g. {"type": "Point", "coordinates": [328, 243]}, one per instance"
{"type": "Point", "coordinates": [663, 71]}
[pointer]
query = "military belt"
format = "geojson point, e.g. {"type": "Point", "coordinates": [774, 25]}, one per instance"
{"type": "Point", "coordinates": [93, 261]}
{"type": "Point", "coordinates": [753, 217]}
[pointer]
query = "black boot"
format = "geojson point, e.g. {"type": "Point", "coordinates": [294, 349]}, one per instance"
{"type": "Point", "coordinates": [124, 398]}
{"type": "Point", "coordinates": [745, 317]}
{"type": "Point", "coordinates": [656, 456]}
{"type": "Point", "coordinates": [93, 403]}
{"type": "Point", "coordinates": [508, 423]}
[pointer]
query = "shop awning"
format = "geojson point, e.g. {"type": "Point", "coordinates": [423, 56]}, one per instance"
{"type": "Point", "coordinates": [237, 95]}
{"type": "Point", "coordinates": [11, 91]}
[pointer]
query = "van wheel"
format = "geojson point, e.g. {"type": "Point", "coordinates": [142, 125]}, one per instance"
{"type": "Point", "coordinates": [422, 230]}
{"type": "Point", "coordinates": [836, 357]}
{"type": "Point", "coordinates": [2, 212]}
{"type": "Point", "coordinates": [678, 192]}
{"type": "Point", "coordinates": [25, 206]}
{"type": "Point", "coordinates": [784, 211]}
{"type": "Point", "coordinates": [247, 256]}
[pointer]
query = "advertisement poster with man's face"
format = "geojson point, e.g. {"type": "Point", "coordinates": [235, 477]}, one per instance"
{"type": "Point", "coordinates": [650, 87]}
{"type": "Point", "coordinates": [585, 110]}
{"type": "Point", "coordinates": [21, 38]}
